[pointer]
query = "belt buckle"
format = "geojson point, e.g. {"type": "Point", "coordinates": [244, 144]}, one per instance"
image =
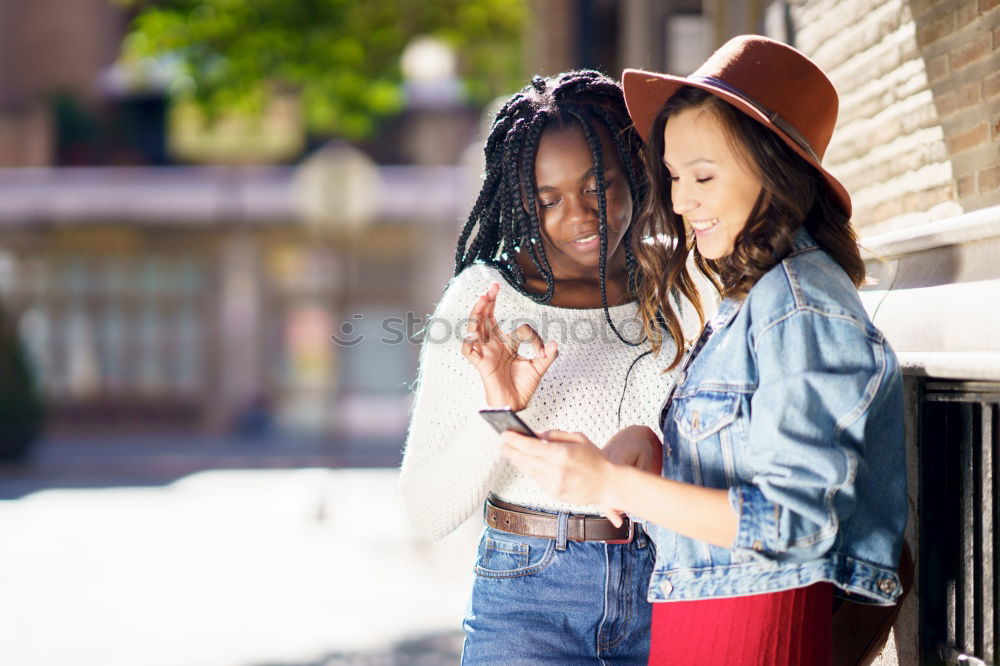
{"type": "Point", "coordinates": [631, 533]}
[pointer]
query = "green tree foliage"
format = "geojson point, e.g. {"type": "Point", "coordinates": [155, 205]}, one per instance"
{"type": "Point", "coordinates": [340, 56]}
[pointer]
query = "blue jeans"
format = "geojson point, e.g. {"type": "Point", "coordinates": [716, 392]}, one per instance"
{"type": "Point", "coordinates": [538, 601]}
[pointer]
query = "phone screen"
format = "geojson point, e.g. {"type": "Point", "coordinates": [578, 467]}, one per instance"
{"type": "Point", "coordinates": [503, 419]}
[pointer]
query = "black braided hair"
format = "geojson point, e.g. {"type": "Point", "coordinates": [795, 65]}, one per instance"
{"type": "Point", "coordinates": [500, 225]}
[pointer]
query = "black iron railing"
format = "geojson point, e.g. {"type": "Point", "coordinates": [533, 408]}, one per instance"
{"type": "Point", "coordinates": [959, 511]}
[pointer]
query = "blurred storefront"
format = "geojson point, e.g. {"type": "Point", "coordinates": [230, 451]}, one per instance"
{"type": "Point", "coordinates": [206, 298]}
{"type": "Point", "coordinates": [154, 295]}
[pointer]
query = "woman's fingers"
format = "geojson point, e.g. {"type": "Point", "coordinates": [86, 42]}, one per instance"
{"type": "Point", "coordinates": [564, 436]}
{"type": "Point", "coordinates": [614, 515]}
{"type": "Point", "coordinates": [545, 358]}
{"type": "Point", "coordinates": [530, 456]}
{"type": "Point", "coordinates": [522, 442]}
{"type": "Point", "coordinates": [470, 346]}
{"type": "Point", "coordinates": [481, 321]}
{"type": "Point", "coordinates": [530, 464]}
{"type": "Point", "coordinates": [568, 468]}
{"type": "Point", "coordinates": [490, 307]}
{"type": "Point", "coordinates": [525, 333]}
{"type": "Point", "coordinates": [527, 453]}
{"type": "Point", "coordinates": [543, 447]}
{"type": "Point", "coordinates": [471, 349]}
{"type": "Point", "coordinates": [474, 326]}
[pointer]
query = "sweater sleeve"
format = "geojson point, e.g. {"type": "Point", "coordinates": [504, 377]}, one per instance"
{"type": "Point", "coordinates": [452, 454]}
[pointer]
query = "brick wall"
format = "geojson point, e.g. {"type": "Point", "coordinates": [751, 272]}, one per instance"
{"type": "Point", "coordinates": [53, 45]}
{"type": "Point", "coordinates": [26, 137]}
{"type": "Point", "coordinates": [49, 47]}
{"type": "Point", "coordinates": [918, 138]}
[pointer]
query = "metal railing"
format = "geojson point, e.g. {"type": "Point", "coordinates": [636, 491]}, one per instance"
{"type": "Point", "coordinates": [959, 511]}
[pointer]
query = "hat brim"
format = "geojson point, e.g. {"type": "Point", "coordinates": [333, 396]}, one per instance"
{"type": "Point", "coordinates": [647, 92]}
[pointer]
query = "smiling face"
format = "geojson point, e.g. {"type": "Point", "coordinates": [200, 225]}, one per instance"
{"type": "Point", "coordinates": [712, 186]}
{"type": "Point", "coordinates": [567, 202]}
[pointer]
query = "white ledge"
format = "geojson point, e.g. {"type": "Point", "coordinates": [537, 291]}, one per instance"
{"type": "Point", "coordinates": [975, 226]}
{"type": "Point", "coordinates": [209, 195]}
{"type": "Point", "coordinates": [968, 366]}
{"type": "Point", "coordinates": [946, 318]}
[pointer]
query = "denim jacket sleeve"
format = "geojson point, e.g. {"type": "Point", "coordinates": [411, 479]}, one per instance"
{"type": "Point", "coordinates": [818, 375]}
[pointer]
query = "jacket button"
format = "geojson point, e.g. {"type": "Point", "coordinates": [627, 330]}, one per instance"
{"type": "Point", "coordinates": [887, 585]}
{"type": "Point", "coordinates": [758, 546]}
{"type": "Point", "coordinates": [666, 588]}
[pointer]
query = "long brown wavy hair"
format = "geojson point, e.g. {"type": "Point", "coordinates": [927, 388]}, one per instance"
{"type": "Point", "coordinates": [793, 194]}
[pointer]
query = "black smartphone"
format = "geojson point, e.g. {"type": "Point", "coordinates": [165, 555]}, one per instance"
{"type": "Point", "coordinates": [503, 419]}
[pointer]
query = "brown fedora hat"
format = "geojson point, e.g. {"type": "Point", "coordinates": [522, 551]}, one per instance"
{"type": "Point", "coordinates": [768, 80]}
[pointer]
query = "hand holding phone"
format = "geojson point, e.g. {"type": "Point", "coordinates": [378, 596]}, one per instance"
{"type": "Point", "coordinates": [503, 419]}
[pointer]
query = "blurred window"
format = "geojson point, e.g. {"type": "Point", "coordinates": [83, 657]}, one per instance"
{"type": "Point", "coordinates": [97, 324]}
{"type": "Point", "coordinates": [687, 43]}
{"type": "Point", "coordinates": [111, 347]}
{"type": "Point", "coordinates": [380, 358]}
{"type": "Point", "coordinates": [308, 353]}
{"type": "Point", "coordinates": [76, 276]}
{"type": "Point", "coordinates": [114, 276]}
{"type": "Point", "coordinates": [150, 376]}
{"type": "Point", "coordinates": [8, 273]}
{"type": "Point", "coordinates": [34, 329]}
{"type": "Point", "coordinates": [81, 374]}
{"type": "Point", "coordinates": [188, 336]}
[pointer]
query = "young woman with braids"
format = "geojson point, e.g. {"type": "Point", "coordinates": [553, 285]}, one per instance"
{"type": "Point", "coordinates": [546, 254]}
{"type": "Point", "coordinates": [783, 480]}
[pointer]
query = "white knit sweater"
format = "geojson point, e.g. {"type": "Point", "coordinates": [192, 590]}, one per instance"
{"type": "Point", "coordinates": [452, 458]}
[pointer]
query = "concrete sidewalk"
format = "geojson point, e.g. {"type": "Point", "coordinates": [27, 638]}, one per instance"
{"type": "Point", "coordinates": [151, 459]}
{"type": "Point", "coordinates": [263, 567]}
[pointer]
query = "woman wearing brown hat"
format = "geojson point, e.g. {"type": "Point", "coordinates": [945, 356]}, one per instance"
{"type": "Point", "coordinates": [783, 470]}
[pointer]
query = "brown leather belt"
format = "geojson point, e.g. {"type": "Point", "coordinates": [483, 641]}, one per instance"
{"type": "Point", "coordinates": [517, 519]}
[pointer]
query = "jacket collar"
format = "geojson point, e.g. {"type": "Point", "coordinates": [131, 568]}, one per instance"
{"type": "Point", "coordinates": [727, 310]}
{"type": "Point", "coordinates": [802, 241]}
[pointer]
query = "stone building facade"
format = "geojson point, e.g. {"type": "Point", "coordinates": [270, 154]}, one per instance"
{"type": "Point", "coordinates": [918, 147]}
{"type": "Point", "coordinates": [160, 297]}
{"type": "Point", "coordinates": [919, 121]}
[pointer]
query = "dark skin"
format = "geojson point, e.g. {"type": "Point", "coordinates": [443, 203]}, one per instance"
{"type": "Point", "coordinates": [568, 214]}
{"type": "Point", "coordinates": [567, 207]}
{"type": "Point", "coordinates": [567, 210]}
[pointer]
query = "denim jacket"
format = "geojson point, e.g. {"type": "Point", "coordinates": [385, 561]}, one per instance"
{"type": "Point", "coordinates": [792, 401]}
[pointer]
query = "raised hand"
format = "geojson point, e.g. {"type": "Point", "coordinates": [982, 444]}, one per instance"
{"type": "Point", "coordinates": [509, 379]}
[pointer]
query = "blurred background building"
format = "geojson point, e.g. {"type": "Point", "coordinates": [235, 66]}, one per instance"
{"type": "Point", "coordinates": [182, 274]}
{"type": "Point", "coordinates": [171, 275]}
{"type": "Point", "coordinates": [170, 270]}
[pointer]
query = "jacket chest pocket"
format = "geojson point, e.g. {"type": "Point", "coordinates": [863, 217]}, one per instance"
{"type": "Point", "coordinates": [704, 420]}
{"type": "Point", "coordinates": [705, 413]}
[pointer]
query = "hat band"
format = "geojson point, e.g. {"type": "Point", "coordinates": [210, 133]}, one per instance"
{"type": "Point", "coordinates": [772, 116]}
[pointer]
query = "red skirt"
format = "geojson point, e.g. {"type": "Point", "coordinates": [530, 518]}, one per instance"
{"type": "Point", "coordinates": [788, 628]}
